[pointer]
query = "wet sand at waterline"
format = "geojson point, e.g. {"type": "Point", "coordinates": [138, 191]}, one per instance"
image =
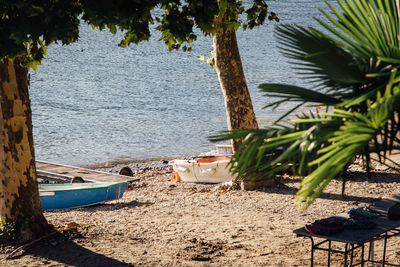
{"type": "Point", "coordinates": [164, 223]}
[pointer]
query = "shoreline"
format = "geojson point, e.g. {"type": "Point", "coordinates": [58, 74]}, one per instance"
{"type": "Point", "coordinates": [152, 162]}
{"type": "Point", "coordinates": [113, 163]}
{"type": "Point", "coordinates": [140, 165]}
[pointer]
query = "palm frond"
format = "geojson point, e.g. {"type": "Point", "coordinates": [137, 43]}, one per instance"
{"type": "Point", "coordinates": [324, 57]}
{"type": "Point", "coordinates": [366, 28]}
{"type": "Point", "coordinates": [357, 132]}
{"type": "Point", "coordinates": [295, 93]}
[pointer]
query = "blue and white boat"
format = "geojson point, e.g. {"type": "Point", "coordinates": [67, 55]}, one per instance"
{"type": "Point", "coordinates": [63, 196]}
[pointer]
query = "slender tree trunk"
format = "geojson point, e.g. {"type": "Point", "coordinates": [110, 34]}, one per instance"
{"type": "Point", "coordinates": [19, 195]}
{"type": "Point", "coordinates": [228, 65]}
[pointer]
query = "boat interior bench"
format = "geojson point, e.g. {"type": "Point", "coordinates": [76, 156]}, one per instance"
{"type": "Point", "coordinates": [350, 240]}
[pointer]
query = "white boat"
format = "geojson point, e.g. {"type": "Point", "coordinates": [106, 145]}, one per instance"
{"type": "Point", "coordinates": [212, 169]}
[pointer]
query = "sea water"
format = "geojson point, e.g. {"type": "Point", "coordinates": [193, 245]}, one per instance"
{"type": "Point", "coordinates": [93, 101]}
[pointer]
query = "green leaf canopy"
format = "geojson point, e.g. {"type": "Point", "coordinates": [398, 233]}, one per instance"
{"type": "Point", "coordinates": [27, 27]}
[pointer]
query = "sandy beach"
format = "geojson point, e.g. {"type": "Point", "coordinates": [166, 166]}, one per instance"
{"type": "Point", "coordinates": [163, 223]}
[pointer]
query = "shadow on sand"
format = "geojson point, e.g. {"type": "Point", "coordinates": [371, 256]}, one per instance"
{"type": "Point", "coordinates": [355, 176]}
{"type": "Point", "coordinates": [65, 251]}
{"type": "Point", "coordinates": [292, 190]}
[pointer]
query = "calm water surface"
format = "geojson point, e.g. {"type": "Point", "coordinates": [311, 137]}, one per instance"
{"type": "Point", "coordinates": [94, 102]}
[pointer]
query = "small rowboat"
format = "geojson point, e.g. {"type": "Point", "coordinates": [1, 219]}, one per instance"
{"type": "Point", "coordinates": [63, 196]}
{"type": "Point", "coordinates": [212, 169]}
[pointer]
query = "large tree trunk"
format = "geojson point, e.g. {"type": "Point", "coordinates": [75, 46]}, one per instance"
{"type": "Point", "coordinates": [228, 65]}
{"type": "Point", "coordinates": [19, 195]}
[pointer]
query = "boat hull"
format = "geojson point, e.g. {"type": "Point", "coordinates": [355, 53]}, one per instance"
{"type": "Point", "coordinates": [204, 170]}
{"type": "Point", "coordinates": [63, 196]}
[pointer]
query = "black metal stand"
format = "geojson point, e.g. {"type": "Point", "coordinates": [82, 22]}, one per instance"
{"type": "Point", "coordinates": [349, 249]}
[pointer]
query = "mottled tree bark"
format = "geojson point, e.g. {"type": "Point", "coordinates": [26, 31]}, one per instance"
{"type": "Point", "coordinates": [19, 195]}
{"type": "Point", "coordinates": [228, 65]}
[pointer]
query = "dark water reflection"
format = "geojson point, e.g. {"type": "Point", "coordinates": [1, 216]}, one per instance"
{"type": "Point", "coordinates": [94, 102]}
